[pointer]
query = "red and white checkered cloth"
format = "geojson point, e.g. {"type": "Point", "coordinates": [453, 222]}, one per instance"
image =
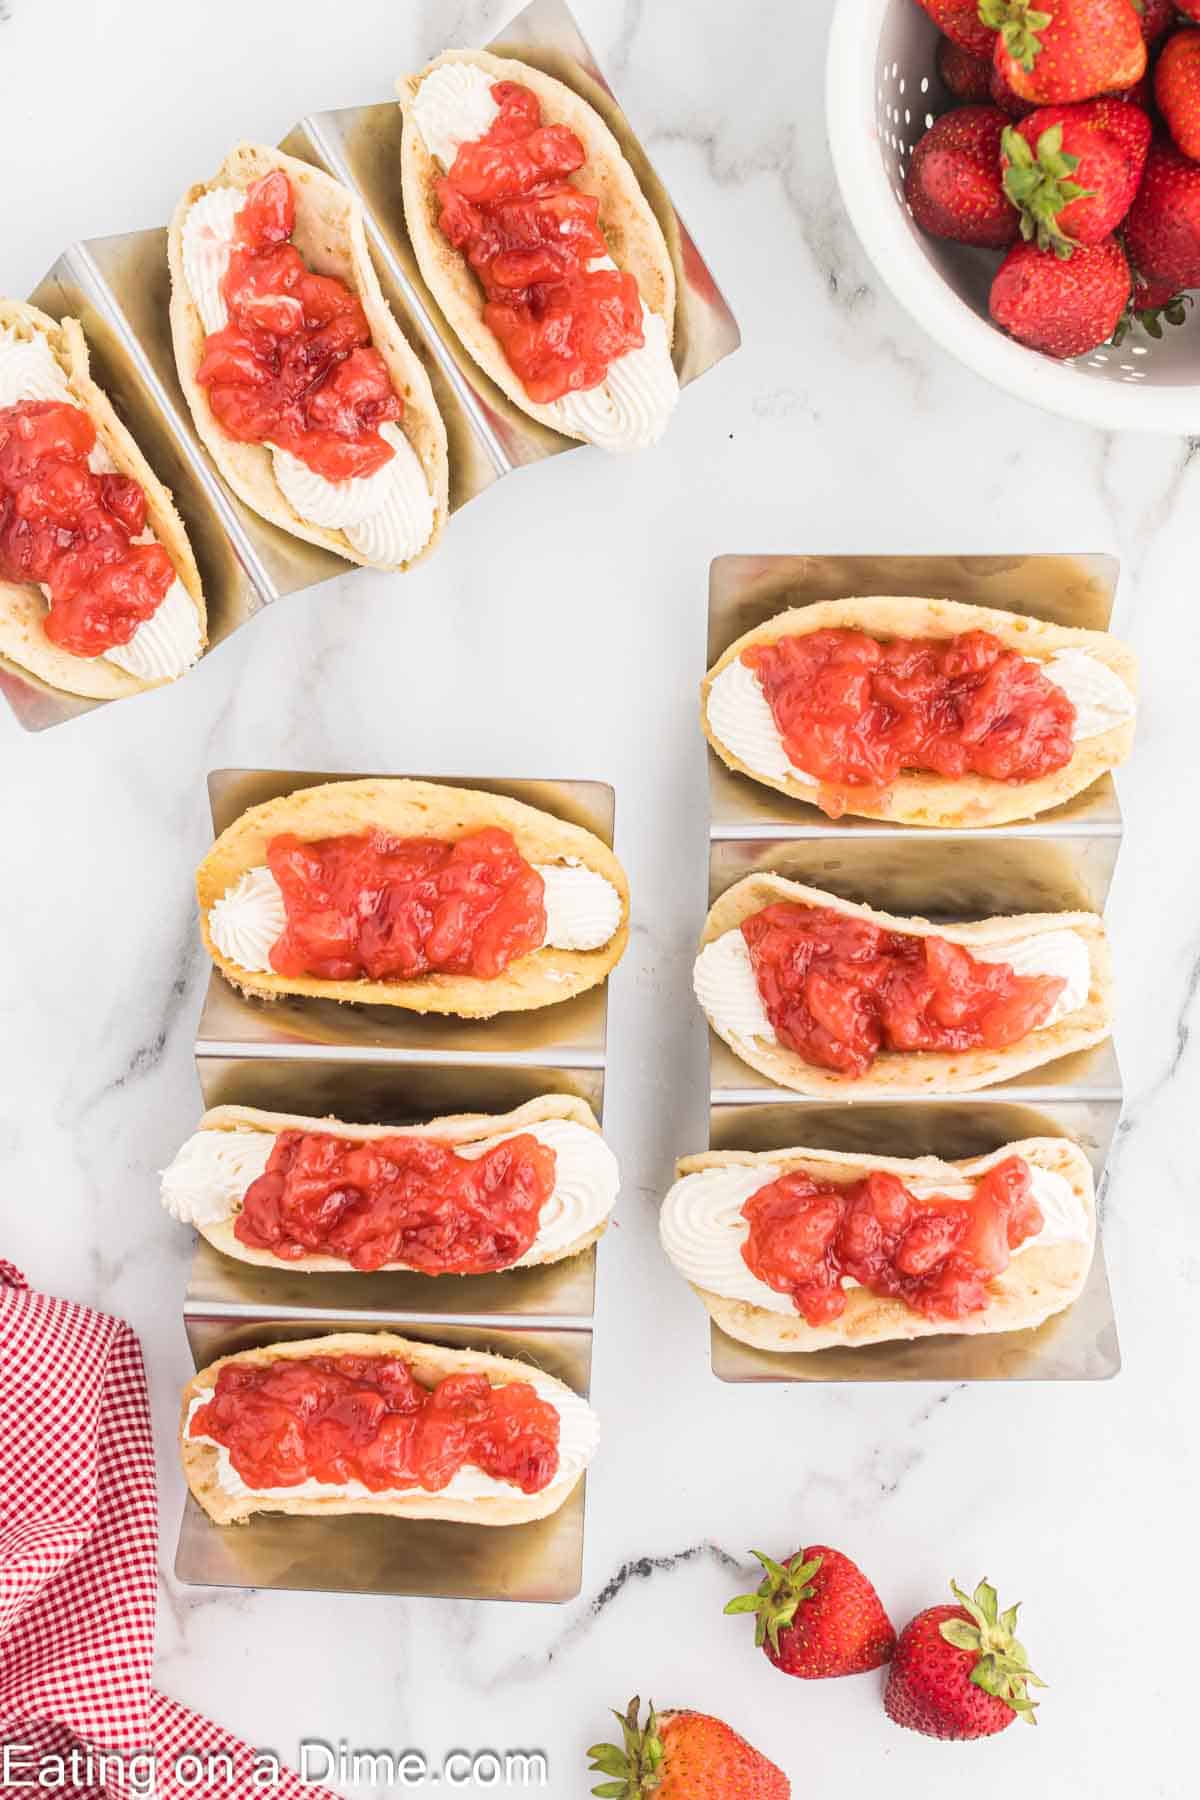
{"type": "Point", "coordinates": [78, 1546]}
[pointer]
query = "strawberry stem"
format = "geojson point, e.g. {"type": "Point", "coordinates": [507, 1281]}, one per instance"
{"type": "Point", "coordinates": [1037, 182]}
{"type": "Point", "coordinates": [1002, 1666]}
{"type": "Point", "coordinates": [634, 1767]}
{"type": "Point", "coordinates": [1018, 23]}
{"type": "Point", "coordinates": [778, 1597]}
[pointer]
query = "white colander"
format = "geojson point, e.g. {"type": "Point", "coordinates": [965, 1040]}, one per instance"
{"type": "Point", "coordinates": [882, 93]}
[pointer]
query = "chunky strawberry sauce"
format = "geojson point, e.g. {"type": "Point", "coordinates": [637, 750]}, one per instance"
{"type": "Point", "coordinates": [936, 1255]}
{"type": "Point", "coordinates": [839, 990]}
{"type": "Point", "coordinates": [295, 367]}
{"type": "Point", "coordinates": [508, 205]}
{"type": "Point", "coordinates": [409, 1200]}
{"type": "Point", "coordinates": [854, 712]}
{"type": "Point", "coordinates": [381, 908]}
{"type": "Point", "coordinates": [338, 1419]}
{"type": "Point", "coordinates": [73, 531]}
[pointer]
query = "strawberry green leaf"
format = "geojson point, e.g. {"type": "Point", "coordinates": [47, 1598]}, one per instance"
{"type": "Point", "coordinates": [1001, 1665]}
{"type": "Point", "coordinates": [1018, 24]}
{"type": "Point", "coordinates": [778, 1597]}
{"type": "Point", "coordinates": [1038, 184]}
{"type": "Point", "coordinates": [960, 1634]}
{"type": "Point", "coordinates": [635, 1767]}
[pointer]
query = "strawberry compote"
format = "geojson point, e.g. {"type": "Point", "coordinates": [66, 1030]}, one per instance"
{"type": "Point", "coordinates": [410, 1200]}
{"type": "Point", "coordinates": [338, 1419]}
{"type": "Point", "coordinates": [295, 367]}
{"type": "Point", "coordinates": [381, 908]}
{"type": "Point", "coordinates": [73, 531]}
{"type": "Point", "coordinates": [935, 1255]}
{"type": "Point", "coordinates": [854, 712]}
{"type": "Point", "coordinates": [838, 990]}
{"type": "Point", "coordinates": [508, 206]}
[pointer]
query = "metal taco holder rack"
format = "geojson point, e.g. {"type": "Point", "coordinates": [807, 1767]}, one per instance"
{"type": "Point", "coordinates": [1062, 861]}
{"type": "Point", "coordinates": [379, 1065]}
{"type": "Point", "coordinates": [119, 288]}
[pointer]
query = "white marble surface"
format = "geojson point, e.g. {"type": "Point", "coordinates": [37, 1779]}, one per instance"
{"type": "Point", "coordinates": [560, 631]}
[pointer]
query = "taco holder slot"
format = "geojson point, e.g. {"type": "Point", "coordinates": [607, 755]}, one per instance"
{"type": "Point", "coordinates": [1062, 862]}
{"type": "Point", "coordinates": [119, 288]}
{"type": "Point", "coordinates": [538, 1562]}
{"type": "Point", "coordinates": [380, 1072]}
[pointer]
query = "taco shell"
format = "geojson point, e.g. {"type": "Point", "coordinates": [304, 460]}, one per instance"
{"type": "Point", "coordinates": [462, 1128]}
{"type": "Point", "coordinates": [937, 800]}
{"type": "Point", "coordinates": [1037, 1283]}
{"type": "Point", "coordinates": [418, 809]}
{"type": "Point", "coordinates": [430, 1363]}
{"type": "Point", "coordinates": [330, 235]}
{"type": "Point", "coordinates": [635, 237]}
{"type": "Point", "coordinates": [923, 1072]}
{"type": "Point", "coordinates": [22, 604]}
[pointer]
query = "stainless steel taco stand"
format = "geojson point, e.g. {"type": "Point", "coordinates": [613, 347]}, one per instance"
{"type": "Point", "coordinates": [119, 288]}
{"type": "Point", "coordinates": [375, 1065]}
{"type": "Point", "coordinates": [1063, 861]}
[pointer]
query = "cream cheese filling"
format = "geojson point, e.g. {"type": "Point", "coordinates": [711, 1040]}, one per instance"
{"type": "Point", "coordinates": [207, 1181]}
{"type": "Point", "coordinates": [578, 1442]}
{"type": "Point", "coordinates": [165, 645]}
{"type": "Point", "coordinates": [632, 407]}
{"type": "Point", "coordinates": [740, 715]}
{"type": "Point", "coordinates": [726, 987]}
{"type": "Point", "coordinates": [389, 516]}
{"type": "Point", "coordinates": [703, 1229]}
{"type": "Point", "coordinates": [583, 911]}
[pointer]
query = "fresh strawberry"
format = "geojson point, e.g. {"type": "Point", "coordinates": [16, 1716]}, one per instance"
{"type": "Point", "coordinates": [953, 183]}
{"type": "Point", "coordinates": [1158, 16]}
{"type": "Point", "coordinates": [1062, 308]}
{"type": "Point", "coordinates": [1062, 50]}
{"type": "Point", "coordinates": [1162, 232]}
{"type": "Point", "coordinates": [960, 20]}
{"type": "Point", "coordinates": [1177, 89]}
{"type": "Point", "coordinates": [1072, 171]}
{"type": "Point", "coordinates": [1189, 8]}
{"type": "Point", "coordinates": [683, 1756]}
{"type": "Point", "coordinates": [959, 1671]}
{"type": "Point", "coordinates": [964, 73]}
{"type": "Point", "coordinates": [1004, 97]}
{"type": "Point", "coordinates": [817, 1615]}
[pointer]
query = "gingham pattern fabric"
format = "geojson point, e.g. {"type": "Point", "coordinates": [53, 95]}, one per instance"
{"type": "Point", "coordinates": [78, 1544]}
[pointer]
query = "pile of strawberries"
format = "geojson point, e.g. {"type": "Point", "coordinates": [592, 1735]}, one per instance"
{"type": "Point", "coordinates": [1075, 149]}
{"type": "Point", "coordinates": [955, 1671]}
